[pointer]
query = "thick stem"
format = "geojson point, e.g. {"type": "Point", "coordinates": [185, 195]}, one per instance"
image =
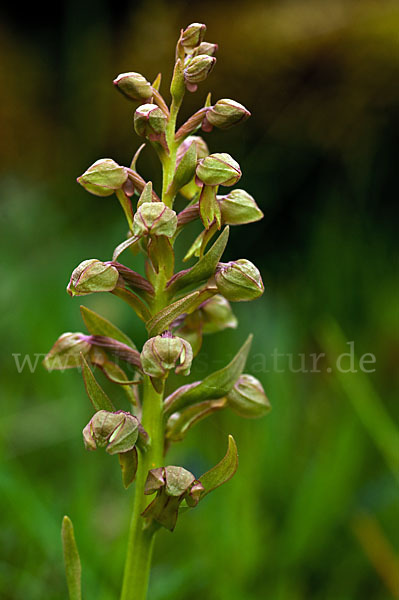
{"type": "Point", "coordinates": [141, 537]}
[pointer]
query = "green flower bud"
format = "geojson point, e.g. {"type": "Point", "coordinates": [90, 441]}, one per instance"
{"type": "Point", "coordinates": [239, 280]}
{"type": "Point", "coordinates": [200, 144]}
{"type": "Point", "coordinates": [218, 169]}
{"type": "Point", "coordinates": [155, 218]}
{"type": "Point", "coordinates": [217, 315]}
{"type": "Point", "coordinates": [238, 208]}
{"type": "Point", "coordinates": [104, 177]}
{"type": "Point", "coordinates": [165, 352]}
{"type": "Point", "coordinates": [192, 36]}
{"type": "Point", "coordinates": [65, 354]}
{"type": "Point", "coordinates": [150, 121]}
{"type": "Point", "coordinates": [198, 68]}
{"type": "Point", "coordinates": [134, 86]}
{"type": "Point", "coordinates": [206, 48]}
{"type": "Point", "coordinates": [227, 113]}
{"type": "Point", "coordinates": [92, 276]}
{"type": "Point", "coordinates": [247, 398]}
{"type": "Point", "coordinates": [117, 432]}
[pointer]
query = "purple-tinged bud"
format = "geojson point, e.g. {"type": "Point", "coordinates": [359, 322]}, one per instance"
{"type": "Point", "coordinates": [65, 354]}
{"type": "Point", "coordinates": [192, 36]}
{"type": "Point", "coordinates": [247, 398]}
{"type": "Point", "coordinates": [164, 353]}
{"type": "Point", "coordinates": [92, 276]}
{"type": "Point", "coordinates": [154, 218]}
{"type": "Point", "coordinates": [218, 169]}
{"type": "Point", "coordinates": [200, 145]}
{"type": "Point", "coordinates": [198, 69]}
{"type": "Point", "coordinates": [239, 208]}
{"type": "Point", "coordinates": [239, 280]}
{"type": "Point", "coordinates": [226, 113]}
{"type": "Point", "coordinates": [150, 121]}
{"type": "Point", "coordinates": [116, 432]}
{"type": "Point", "coordinates": [173, 485]}
{"type": "Point", "coordinates": [104, 177]}
{"type": "Point", "coordinates": [206, 48]}
{"type": "Point", "coordinates": [134, 86]}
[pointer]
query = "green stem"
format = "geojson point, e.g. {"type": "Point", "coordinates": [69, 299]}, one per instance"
{"type": "Point", "coordinates": [141, 536]}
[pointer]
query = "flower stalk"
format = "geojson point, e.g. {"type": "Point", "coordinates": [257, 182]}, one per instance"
{"type": "Point", "coordinates": [177, 307]}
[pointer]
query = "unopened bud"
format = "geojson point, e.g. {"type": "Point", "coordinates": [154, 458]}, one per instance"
{"type": "Point", "coordinates": [65, 354]}
{"type": "Point", "coordinates": [104, 177]}
{"type": "Point", "coordinates": [238, 208]}
{"type": "Point", "coordinates": [239, 280]}
{"type": "Point", "coordinates": [206, 48]}
{"type": "Point", "coordinates": [155, 218]}
{"type": "Point", "coordinates": [117, 432]}
{"type": "Point", "coordinates": [92, 276]}
{"type": "Point", "coordinates": [200, 145]}
{"type": "Point", "coordinates": [198, 68]}
{"type": "Point", "coordinates": [217, 315]}
{"type": "Point", "coordinates": [150, 121]}
{"type": "Point", "coordinates": [134, 86]}
{"type": "Point", "coordinates": [247, 398]}
{"type": "Point", "coordinates": [218, 169]}
{"type": "Point", "coordinates": [192, 36]}
{"type": "Point", "coordinates": [165, 352]}
{"type": "Point", "coordinates": [227, 113]}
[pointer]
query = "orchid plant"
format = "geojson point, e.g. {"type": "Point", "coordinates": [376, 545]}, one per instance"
{"type": "Point", "coordinates": [177, 308]}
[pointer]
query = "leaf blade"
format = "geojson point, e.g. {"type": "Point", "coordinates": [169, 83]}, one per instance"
{"type": "Point", "coordinates": [97, 396]}
{"type": "Point", "coordinates": [214, 386]}
{"type": "Point", "coordinates": [160, 322]}
{"type": "Point", "coordinates": [73, 569]}
{"type": "Point", "coordinates": [98, 325]}
{"type": "Point", "coordinates": [204, 268]}
{"type": "Point", "coordinates": [223, 471]}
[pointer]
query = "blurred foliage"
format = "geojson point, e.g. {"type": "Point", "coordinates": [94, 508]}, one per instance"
{"type": "Point", "coordinates": [313, 510]}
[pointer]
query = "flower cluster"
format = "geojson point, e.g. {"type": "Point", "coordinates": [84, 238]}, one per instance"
{"type": "Point", "coordinates": [177, 308]}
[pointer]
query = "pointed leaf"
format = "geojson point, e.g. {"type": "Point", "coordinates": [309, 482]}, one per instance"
{"type": "Point", "coordinates": [222, 472]}
{"type": "Point", "coordinates": [73, 569]}
{"type": "Point", "coordinates": [138, 305]}
{"type": "Point", "coordinates": [98, 397]}
{"type": "Point", "coordinates": [180, 423]}
{"type": "Point", "coordinates": [205, 267]}
{"type": "Point", "coordinates": [98, 325]}
{"type": "Point", "coordinates": [215, 386]}
{"type": "Point", "coordinates": [136, 156]}
{"type": "Point", "coordinates": [161, 321]}
{"type": "Point", "coordinates": [128, 462]}
{"type": "Point", "coordinates": [186, 169]}
{"type": "Point", "coordinates": [123, 245]}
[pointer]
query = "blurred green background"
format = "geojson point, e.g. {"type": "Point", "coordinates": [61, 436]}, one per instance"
{"type": "Point", "coordinates": [313, 510]}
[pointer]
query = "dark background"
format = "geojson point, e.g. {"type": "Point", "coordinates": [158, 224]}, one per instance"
{"type": "Point", "coordinates": [313, 509]}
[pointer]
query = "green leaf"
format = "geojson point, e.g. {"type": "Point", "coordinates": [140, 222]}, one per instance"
{"type": "Point", "coordinates": [185, 170]}
{"type": "Point", "coordinates": [222, 472]}
{"type": "Point", "coordinates": [128, 462]}
{"type": "Point", "coordinates": [73, 569]}
{"type": "Point", "coordinates": [180, 423]}
{"type": "Point", "coordinates": [138, 305]}
{"type": "Point", "coordinates": [98, 325]}
{"type": "Point", "coordinates": [215, 386]}
{"type": "Point", "coordinates": [114, 373]}
{"type": "Point", "coordinates": [124, 245]}
{"type": "Point", "coordinates": [98, 397]}
{"type": "Point", "coordinates": [161, 321]}
{"type": "Point", "coordinates": [204, 268]}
